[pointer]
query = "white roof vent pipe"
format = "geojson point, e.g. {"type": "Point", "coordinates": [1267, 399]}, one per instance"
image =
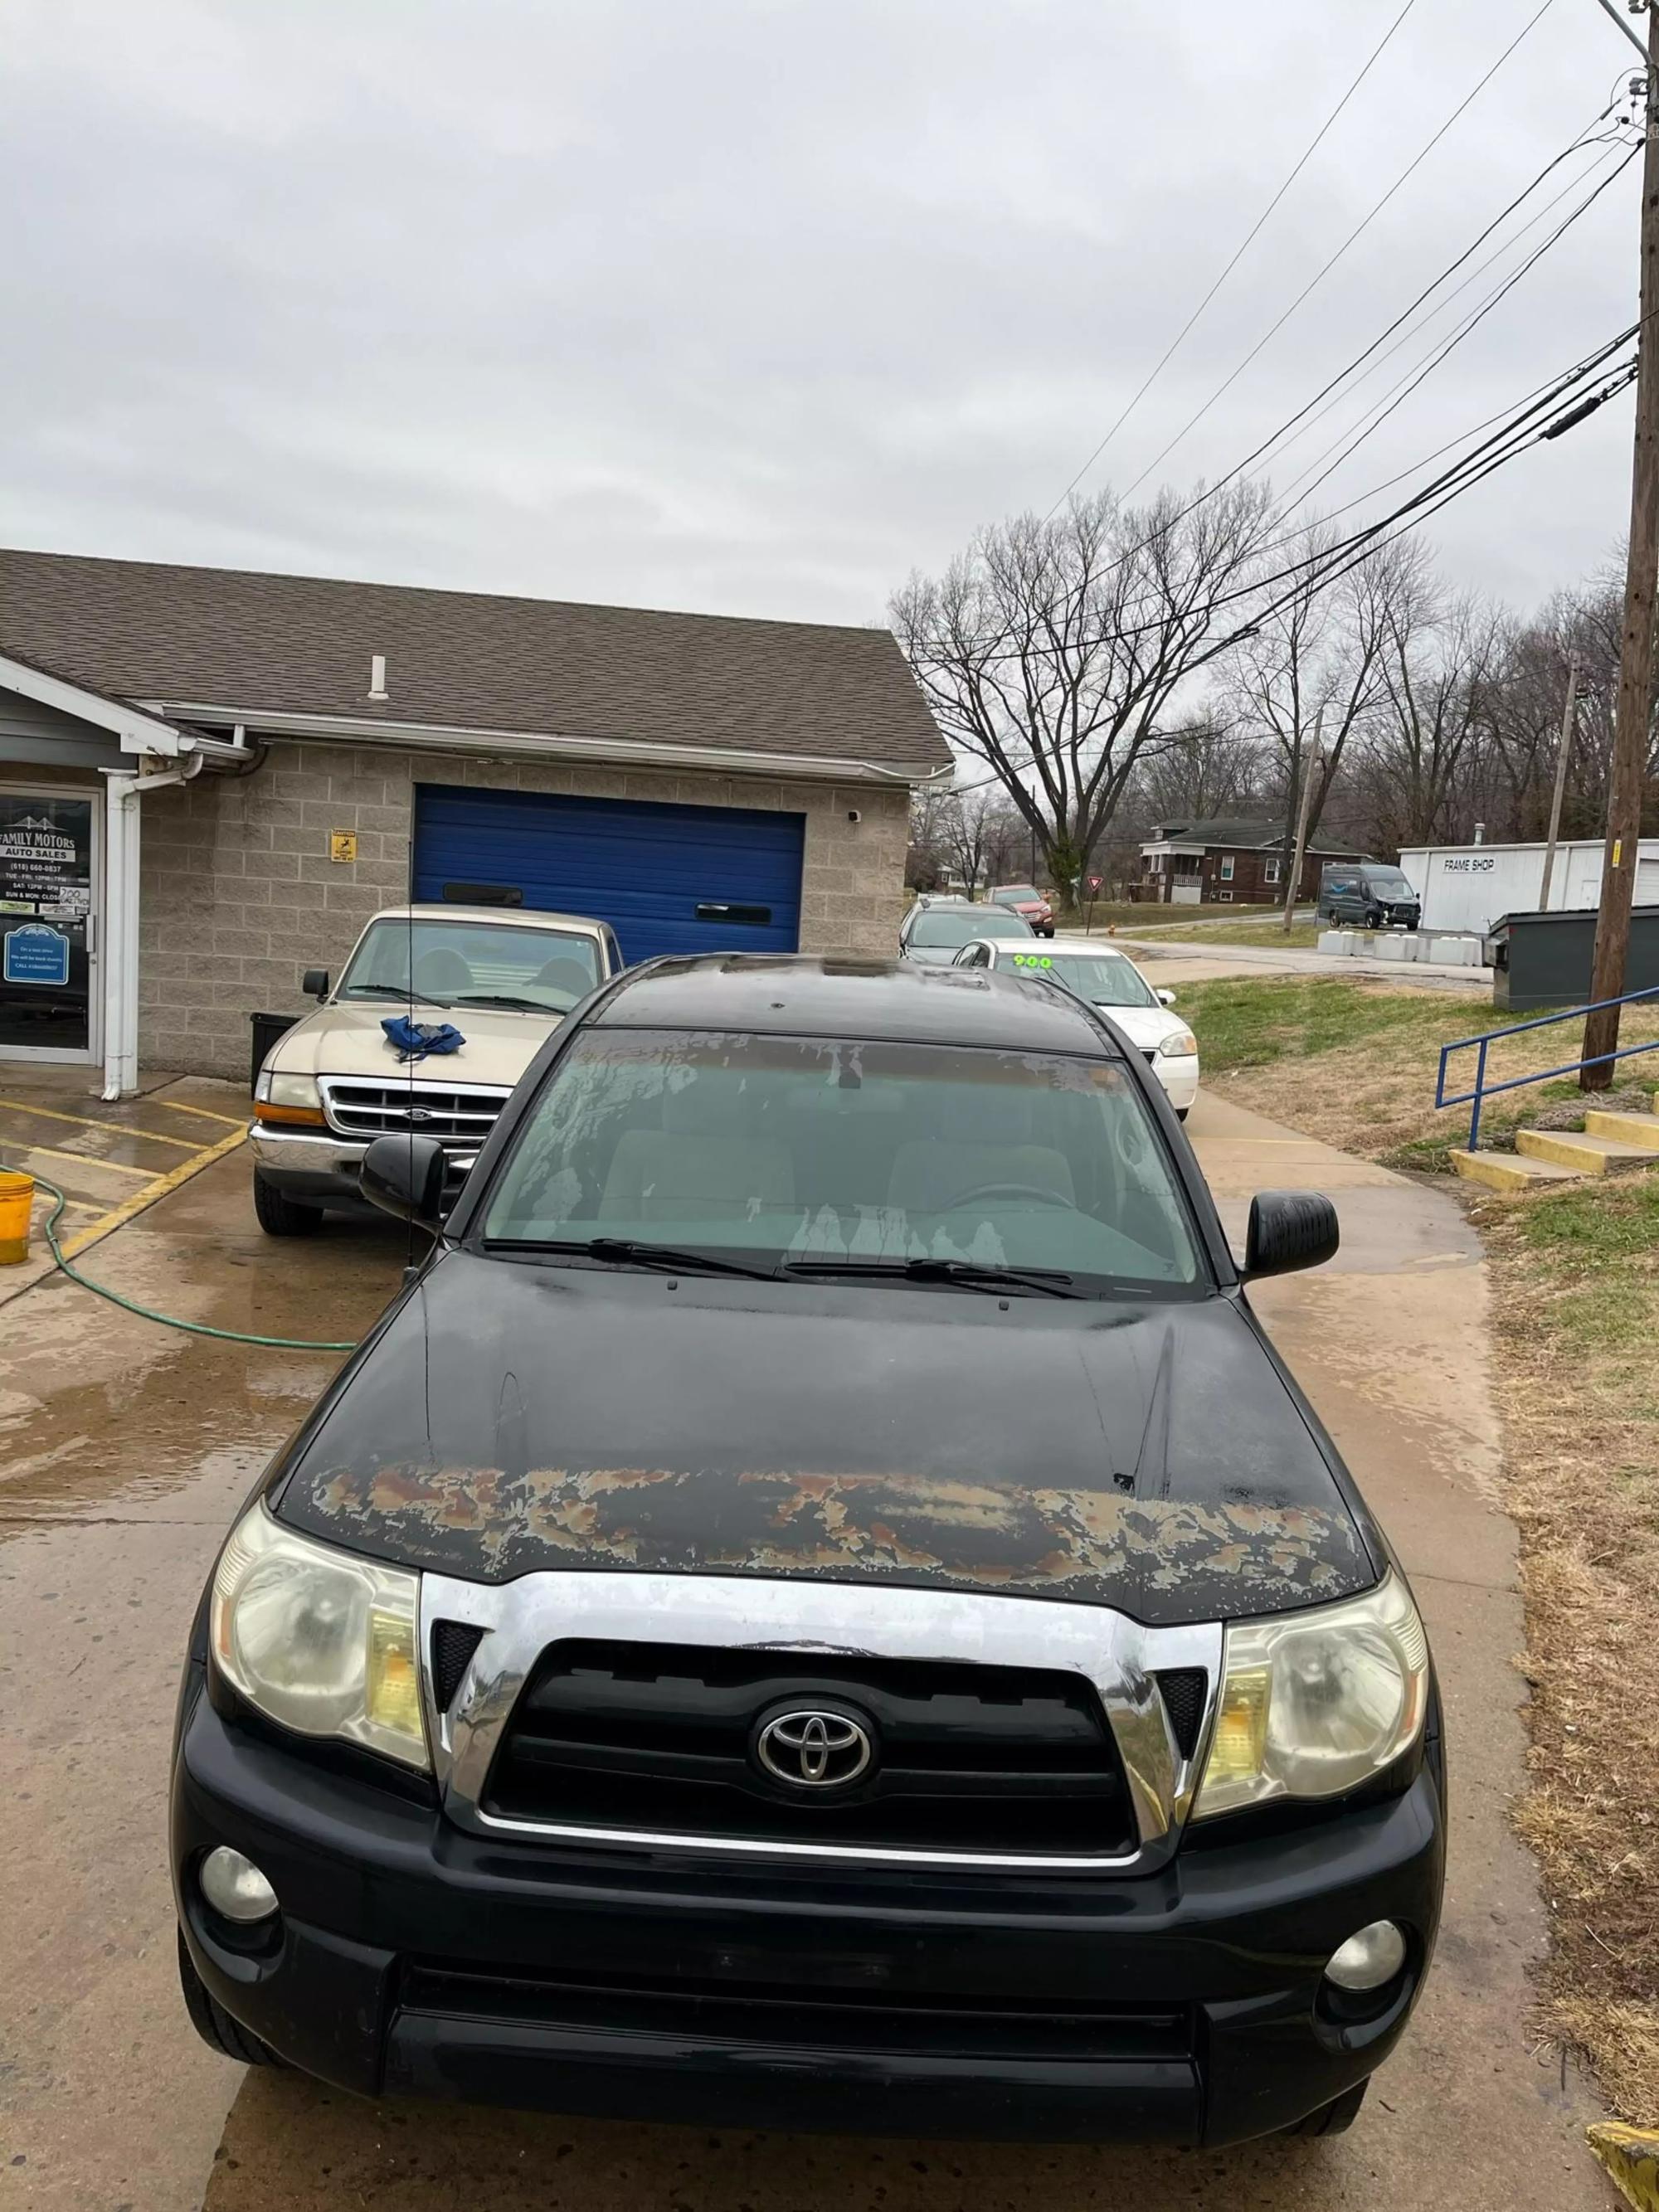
{"type": "Point", "coordinates": [377, 676]}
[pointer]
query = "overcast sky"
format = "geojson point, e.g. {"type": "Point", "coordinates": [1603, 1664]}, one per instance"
{"type": "Point", "coordinates": [751, 306]}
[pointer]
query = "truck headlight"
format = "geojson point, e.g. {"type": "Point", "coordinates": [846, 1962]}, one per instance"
{"type": "Point", "coordinates": [324, 1643]}
{"type": "Point", "coordinates": [1179, 1045]}
{"type": "Point", "coordinates": [278, 1098]}
{"type": "Point", "coordinates": [1313, 1703]}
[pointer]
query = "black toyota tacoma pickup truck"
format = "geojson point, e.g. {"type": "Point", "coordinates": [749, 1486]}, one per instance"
{"type": "Point", "coordinates": [818, 1606]}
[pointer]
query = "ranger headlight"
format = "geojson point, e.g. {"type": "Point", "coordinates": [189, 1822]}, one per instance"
{"type": "Point", "coordinates": [1315, 1703]}
{"type": "Point", "coordinates": [322, 1642]}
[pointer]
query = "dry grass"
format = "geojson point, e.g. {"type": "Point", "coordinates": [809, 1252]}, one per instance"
{"type": "Point", "coordinates": [1354, 1063]}
{"type": "Point", "coordinates": [1303, 935]}
{"type": "Point", "coordinates": [1575, 1277]}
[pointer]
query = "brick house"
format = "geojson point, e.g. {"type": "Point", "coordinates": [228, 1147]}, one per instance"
{"type": "Point", "coordinates": [211, 780]}
{"type": "Point", "coordinates": [1232, 863]}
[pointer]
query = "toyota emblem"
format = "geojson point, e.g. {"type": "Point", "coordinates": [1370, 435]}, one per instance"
{"type": "Point", "coordinates": [814, 1750]}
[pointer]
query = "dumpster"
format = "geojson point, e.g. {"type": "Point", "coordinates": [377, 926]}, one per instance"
{"type": "Point", "coordinates": [267, 1027]}
{"type": "Point", "coordinates": [1542, 960]}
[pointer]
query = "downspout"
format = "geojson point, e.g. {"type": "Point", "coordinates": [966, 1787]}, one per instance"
{"type": "Point", "coordinates": [121, 794]}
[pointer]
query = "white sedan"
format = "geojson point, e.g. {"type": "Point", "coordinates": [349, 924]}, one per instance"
{"type": "Point", "coordinates": [1110, 980]}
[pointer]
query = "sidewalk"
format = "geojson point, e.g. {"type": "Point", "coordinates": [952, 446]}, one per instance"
{"type": "Point", "coordinates": [1225, 959]}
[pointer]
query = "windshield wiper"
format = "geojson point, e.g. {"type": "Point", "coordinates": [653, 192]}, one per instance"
{"type": "Point", "coordinates": [506, 999]}
{"type": "Point", "coordinates": [970, 1274]}
{"type": "Point", "coordinates": [391, 991]}
{"type": "Point", "coordinates": [631, 1252]}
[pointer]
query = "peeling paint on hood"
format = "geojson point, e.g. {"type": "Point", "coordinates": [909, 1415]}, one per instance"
{"type": "Point", "coordinates": [1148, 1457]}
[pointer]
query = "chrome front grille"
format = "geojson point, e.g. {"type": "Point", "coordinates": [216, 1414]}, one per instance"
{"type": "Point", "coordinates": [459, 1115]}
{"type": "Point", "coordinates": [591, 1763]}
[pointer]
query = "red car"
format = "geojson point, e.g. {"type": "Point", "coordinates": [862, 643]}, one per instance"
{"type": "Point", "coordinates": [1027, 900]}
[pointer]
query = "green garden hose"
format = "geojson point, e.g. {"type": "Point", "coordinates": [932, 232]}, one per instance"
{"type": "Point", "coordinates": [148, 1313]}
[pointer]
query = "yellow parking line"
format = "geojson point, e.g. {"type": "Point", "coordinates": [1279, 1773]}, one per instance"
{"type": "Point", "coordinates": [80, 1160]}
{"type": "Point", "coordinates": [183, 1106]}
{"type": "Point", "coordinates": [87, 1121]}
{"type": "Point", "coordinates": [158, 1188]}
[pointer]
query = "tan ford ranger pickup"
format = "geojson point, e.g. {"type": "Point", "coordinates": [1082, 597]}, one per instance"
{"type": "Point", "coordinates": [504, 977]}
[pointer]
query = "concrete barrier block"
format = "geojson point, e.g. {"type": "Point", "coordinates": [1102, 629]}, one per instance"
{"type": "Point", "coordinates": [1384, 947]}
{"type": "Point", "coordinates": [1335, 942]}
{"type": "Point", "coordinates": [1412, 947]}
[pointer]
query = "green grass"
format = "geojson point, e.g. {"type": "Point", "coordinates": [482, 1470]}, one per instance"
{"type": "Point", "coordinates": [1252, 1024]}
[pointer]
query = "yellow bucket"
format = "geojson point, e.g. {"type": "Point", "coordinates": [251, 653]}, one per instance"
{"type": "Point", "coordinates": [16, 1205]}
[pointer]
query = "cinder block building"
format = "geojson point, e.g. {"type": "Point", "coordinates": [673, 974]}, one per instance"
{"type": "Point", "coordinates": [211, 780]}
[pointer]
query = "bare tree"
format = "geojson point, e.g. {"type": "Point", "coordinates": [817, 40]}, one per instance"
{"type": "Point", "coordinates": [1438, 661]}
{"type": "Point", "coordinates": [1215, 768]}
{"type": "Point", "coordinates": [1316, 663]}
{"type": "Point", "coordinates": [976, 832]}
{"type": "Point", "coordinates": [1052, 651]}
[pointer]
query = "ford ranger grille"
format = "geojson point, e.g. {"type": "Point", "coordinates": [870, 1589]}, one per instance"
{"type": "Point", "coordinates": [459, 1115]}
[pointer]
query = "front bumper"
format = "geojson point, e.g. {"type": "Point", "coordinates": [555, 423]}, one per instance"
{"type": "Point", "coordinates": [417, 1958]}
{"type": "Point", "coordinates": [1179, 1079]}
{"type": "Point", "coordinates": [317, 1168]}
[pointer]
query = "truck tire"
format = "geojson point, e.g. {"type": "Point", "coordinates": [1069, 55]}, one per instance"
{"type": "Point", "coordinates": [214, 2024]}
{"type": "Point", "coordinates": [283, 1217]}
{"type": "Point", "coordinates": [1336, 2117]}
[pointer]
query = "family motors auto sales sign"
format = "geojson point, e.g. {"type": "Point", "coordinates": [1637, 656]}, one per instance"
{"type": "Point", "coordinates": [40, 862]}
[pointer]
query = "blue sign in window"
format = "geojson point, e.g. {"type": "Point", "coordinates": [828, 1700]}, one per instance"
{"type": "Point", "coordinates": [36, 954]}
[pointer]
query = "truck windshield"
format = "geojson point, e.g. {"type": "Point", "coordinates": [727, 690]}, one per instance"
{"type": "Point", "coordinates": [1390, 881]}
{"type": "Point", "coordinates": [774, 1150]}
{"type": "Point", "coordinates": [473, 964]}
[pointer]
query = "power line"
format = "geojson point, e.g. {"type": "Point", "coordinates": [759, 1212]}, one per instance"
{"type": "Point", "coordinates": [1343, 558]}
{"type": "Point", "coordinates": [1255, 229]}
{"type": "Point", "coordinates": [1353, 235]}
{"type": "Point", "coordinates": [1434, 313]}
{"type": "Point", "coordinates": [1250, 459]}
{"type": "Point", "coordinates": [1399, 393]}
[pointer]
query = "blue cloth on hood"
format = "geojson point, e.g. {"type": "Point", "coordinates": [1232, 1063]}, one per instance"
{"type": "Point", "coordinates": [413, 1040]}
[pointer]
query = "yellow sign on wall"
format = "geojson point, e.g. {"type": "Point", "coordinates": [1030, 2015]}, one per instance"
{"type": "Point", "coordinates": [343, 844]}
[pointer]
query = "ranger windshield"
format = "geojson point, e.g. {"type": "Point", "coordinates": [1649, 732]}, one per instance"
{"type": "Point", "coordinates": [945, 926]}
{"type": "Point", "coordinates": [789, 1149]}
{"type": "Point", "coordinates": [473, 964]}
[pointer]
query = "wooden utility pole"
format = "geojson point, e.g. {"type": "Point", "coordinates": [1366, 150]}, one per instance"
{"type": "Point", "coordinates": [1314, 759]}
{"type": "Point", "coordinates": [1569, 714]}
{"type": "Point", "coordinates": [1630, 740]}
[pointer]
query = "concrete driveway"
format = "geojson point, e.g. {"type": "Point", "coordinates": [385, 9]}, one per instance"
{"type": "Point", "coordinates": [124, 1450]}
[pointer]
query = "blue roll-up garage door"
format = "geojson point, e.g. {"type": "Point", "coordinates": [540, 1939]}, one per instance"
{"type": "Point", "coordinates": [666, 879]}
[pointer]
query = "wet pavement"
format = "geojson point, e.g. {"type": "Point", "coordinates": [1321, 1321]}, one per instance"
{"type": "Point", "coordinates": [123, 1451]}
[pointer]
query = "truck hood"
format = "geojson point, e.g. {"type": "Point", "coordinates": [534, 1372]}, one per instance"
{"type": "Point", "coordinates": [510, 1418]}
{"type": "Point", "coordinates": [347, 1039]}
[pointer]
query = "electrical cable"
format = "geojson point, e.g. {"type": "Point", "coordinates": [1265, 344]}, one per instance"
{"type": "Point", "coordinates": [150, 1313]}
{"type": "Point", "coordinates": [1342, 559]}
{"type": "Point", "coordinates": [1472, 322]}
{"type": "Point", "coordinates": [1435, 312]}
{"type": "Point", "coordinates": [1353, 235]}
{"type": "Point", "coordinates": [1181, 335]}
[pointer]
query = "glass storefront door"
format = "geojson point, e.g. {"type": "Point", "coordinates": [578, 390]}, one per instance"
{"type": "Point", "coordinates": [48, 871]}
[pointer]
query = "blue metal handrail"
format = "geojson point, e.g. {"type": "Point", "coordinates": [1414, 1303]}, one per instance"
{"type": "Point", "coordinates": [1483, 1090]}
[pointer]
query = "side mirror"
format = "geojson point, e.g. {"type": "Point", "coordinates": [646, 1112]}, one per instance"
{"type": "Point", "coordinates": [1166, 998]}
{"type": "Point", "coordinates": [405, 1177]}
{"type": "Point", "coordinates": [314, 983]}
{"type": "Point", "coordinates": [1289, 1228]}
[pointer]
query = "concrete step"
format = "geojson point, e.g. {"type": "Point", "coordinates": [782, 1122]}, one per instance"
{"type": "Point", "coordinates": [1508, 1171]}
{"type": "Point", "coordinates": [1641, 1130]}
{"type": "Point", "coordinates": [1587, 1154]}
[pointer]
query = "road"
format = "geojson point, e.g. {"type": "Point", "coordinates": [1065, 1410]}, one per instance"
{"type": "Point", "coordinates": [124, 1450]}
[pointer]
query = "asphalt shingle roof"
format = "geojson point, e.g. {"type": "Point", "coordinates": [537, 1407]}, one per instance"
{"type": "Point", "coordinates": [1244, 837]}
{"type": "Point", "coordinates": [301, 645]}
